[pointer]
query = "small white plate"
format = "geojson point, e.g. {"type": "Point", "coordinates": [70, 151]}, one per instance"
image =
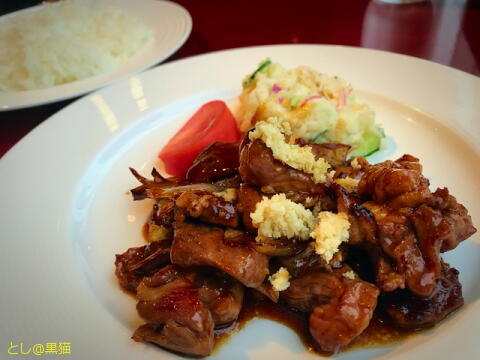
{"type": "Point", "coordinates": [64, 209]}
{"type": "Point", "coordinates": [171, 24]}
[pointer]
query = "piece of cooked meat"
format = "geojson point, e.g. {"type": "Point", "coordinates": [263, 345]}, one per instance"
{"type": "Point", "coordinates": [175, 315]}
{"type": "Point", "coordinates": [386, 278]}
{"type": "Point", "coordinates": [336, 324]}
{"type": "Point", "coordinates": [431, 230]}
{"type": "Point", "coordinates": [398, 184]}
{"type": "Point", "coordinates": [456, 216]}
{"type": "Point", "coordinates": [217, 161]}
{"type": "Point", "coordinates": [136, 263]}
{"type": "Point", "coordinates": [159, 225]}
{"type": "Point", "coordinates": [408, 310]}
{"type": "Point", "coordinates": [259, 167]}
{"type": "Point", "coordinates": [163, 213]}
{"type": "Point", "coordinates": [362, 223]}
{"type": "Point", "coordinates": [414, 237]}
{"type": "Point", "coordinates": [363, 232]}
{"type": "Point", "coordinates": [312, 289]}
{"type": "Point", "coordinates": [399, 242]}
{"type": "Point", "coordinates": [208, 208]}
{"type": "Point", "coordinates": [307, 261]}
{"type": "Point", "coordinates": [279, 246]}
{"type": "Point", "coordinates": [354, 172]}
{"type": "Point", "coordinates": [341, 308]}
{"type": "Point", "coordinates": [413, 224]}
{"type": "Point", "coordinates": [220, 293]}
{"type": "Point", "coordinates": [248, 198]}
{"type": "Point", "coordinates": [197, 245]}
{"type": "Point", "coordinates": [334, 154]}
{"type": "Point", "coordinates": [174, 336]}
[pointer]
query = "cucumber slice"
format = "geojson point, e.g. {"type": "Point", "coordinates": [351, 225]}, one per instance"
{"type": "Point", "coordinates": [371, 143]}
{"type": "Point", "coordinates": [319, 138]}
{"type": "Point", "coordinates": [260, 68]}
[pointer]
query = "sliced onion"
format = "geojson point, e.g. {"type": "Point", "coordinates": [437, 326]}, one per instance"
{"type": "Point", "coordinates": [342, 97]}
{"type": "Point", "coordinates": [278, 247]}
{"type": "Point", "coordinates": [276, 89]}
{"type": "Point", "coordinates": [267, 290]}
{"type": "Point", "coordinates": [174, 190]}
{"type": "Point", "coordinates": [312, 97]}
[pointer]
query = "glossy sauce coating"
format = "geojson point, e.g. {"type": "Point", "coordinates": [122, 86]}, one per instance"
{"type": "Point", "coordinates": [378, 333]}
{"type": "Point", "coordinates": [218, 160]}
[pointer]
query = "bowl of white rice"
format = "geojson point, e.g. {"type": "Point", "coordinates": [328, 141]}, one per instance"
{"type": "Point", "coordinates": [56, 50]}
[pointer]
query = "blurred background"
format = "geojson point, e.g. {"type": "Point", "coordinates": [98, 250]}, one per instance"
{"type": "Point", "coordinates": [444, 31]}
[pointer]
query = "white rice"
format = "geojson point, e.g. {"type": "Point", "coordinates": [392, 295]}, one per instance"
{"type": "Point", "coordinates": [66, 41]}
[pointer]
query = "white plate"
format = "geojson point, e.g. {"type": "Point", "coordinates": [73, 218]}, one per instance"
{"type": "Point", "coordinates": [171, 24]}
{"type": "Point", "coordinates": [64, 211]}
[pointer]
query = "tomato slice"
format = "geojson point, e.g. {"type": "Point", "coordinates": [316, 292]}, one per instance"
{"type": "Point", "coordinates": [212, 122]}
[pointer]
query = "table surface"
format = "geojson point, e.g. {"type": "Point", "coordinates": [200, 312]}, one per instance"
{"type": "Point", "coordinates": [444, 31]}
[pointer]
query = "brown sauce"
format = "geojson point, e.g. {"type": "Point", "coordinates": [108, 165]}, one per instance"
{"type": "Point", "coordinates": [378, 333]}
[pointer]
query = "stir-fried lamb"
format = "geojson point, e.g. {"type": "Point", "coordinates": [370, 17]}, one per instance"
{"type": "Point", "coordinates": [136, 263]}
{"type": "Point", "coordinates": [222, 294]}
{"type": "Point", "coordinates": [411, 230]}
{"type": "Point", "coordinates": [219, 160]}
{"type": "Point", "coordinates": [408, 310]}
{"type": "Point", "coordinates": [248, 197]}
{"type": "Point", "coordinates": [201, 245]}
{"type": "Point", "coordinates": [176, 317]}
{"type": "Point", "coordinates": [205, 251]}
{"type": "Point", "coordinates": [340, 308]}
{"type": "Point", "coordinates": [208, 208]}
{"type": "Point", "coordinates": [258, 167]}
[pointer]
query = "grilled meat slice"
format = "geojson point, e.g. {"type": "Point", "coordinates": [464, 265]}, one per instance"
{"type": "Point", "coordinates": [312, 289]}
{"type": "Point", "coordinates": [398, 184]}
{"type": "Point", "coordinates": [259, 167]}
{"type": "Point", "coordinates": [336, 324]}
{"type": "Point", "coordinates": [398, 241]}
{"type": "Point", "coordinates": [217, 161]}
{"type": "Point", "coordinates": [175, 315]}
{"type": "Point", "coordinates": [197, 245]}
{"type": "Point", "coordinates": [341, 308]}
{"type": "Point", "coordinates": [307, 261]}
{"type": "Point", "coordinates": [220, 293]}
{"type": "Point", "coordinates": [362, 223]}
{"type": "Point", "coordinates": [136, 263]}
{"type": "Point", "coordinates": [334, 154]}
{"type": "Point", "coordinates": [248, 197]}
{"type": "Point", "coordinates": [408, 310]}
{"type": "Point", "coordinates": [456, 216]}
{"type": "Point", "coordinates": [208, 208]}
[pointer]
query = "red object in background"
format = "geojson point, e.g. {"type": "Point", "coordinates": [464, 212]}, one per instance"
{"type": "Point", "coordinates": [445, 31]}
{"type": "Point", "coordinates": [212, 122]}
